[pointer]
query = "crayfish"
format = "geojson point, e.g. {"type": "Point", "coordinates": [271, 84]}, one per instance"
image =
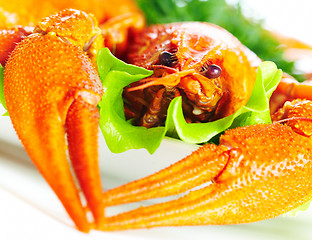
{"type": "Point", "coordinates": [52, 89]}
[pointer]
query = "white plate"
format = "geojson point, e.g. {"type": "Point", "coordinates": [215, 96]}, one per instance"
{"type": "Point", "coordinates": [30, 210]}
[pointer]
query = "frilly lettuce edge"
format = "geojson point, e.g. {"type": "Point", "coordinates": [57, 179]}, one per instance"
{"type": "Point", "coordinates": [121, 136]}
{"type": "Point", "coordinates": [2, 99]}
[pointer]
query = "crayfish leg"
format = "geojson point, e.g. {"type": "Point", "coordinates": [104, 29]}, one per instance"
{"type": "Point", "coordinates": [289, 89]}
{"type": "Point", "coordinates": [117, 29]}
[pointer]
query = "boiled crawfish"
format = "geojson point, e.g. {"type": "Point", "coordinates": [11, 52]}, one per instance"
{"type": "Point", "coordinates": [52, 89]}
{"type": "Point", "coordinates": [254, 168]}
{"type": "Point", "coordinates": [194, 60]}
{"type": "Point", "coordinates": [117, 20]}
{"type": "Point", "coordinates": [257, 172]}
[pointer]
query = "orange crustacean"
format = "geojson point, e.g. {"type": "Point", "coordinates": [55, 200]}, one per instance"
{"type": "Point", "coordinates": [191, 49]}
{"type": "Point", "coordinates": [52, 89]}
{"type": "Point", "coordinates": [252, 168]}
{"type": "Point", "coordinates": [116, 19]}
{"type": "Point", "coordinates": [59, 94]}
{"type": "Point", "coordinates": [64, 101]}
{"type": "Point", "coordinates": [199, 67]}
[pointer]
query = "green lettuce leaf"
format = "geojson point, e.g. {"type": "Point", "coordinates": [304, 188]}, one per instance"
{"type": "Point", "coordinates": [299, 209]}
{"type": "Point", "coordinates": [256, 110]}
{"type": "Point", "coordinates": [120, 135]}
{"type": "Point", "coordinates": [2, 100]}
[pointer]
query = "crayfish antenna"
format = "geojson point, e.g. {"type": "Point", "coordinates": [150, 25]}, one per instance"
{"type": "Point", "coordinates": [170, 80]}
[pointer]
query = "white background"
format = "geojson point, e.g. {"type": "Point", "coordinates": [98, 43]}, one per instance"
{"type": "Point", "coordinates": [29, 209]}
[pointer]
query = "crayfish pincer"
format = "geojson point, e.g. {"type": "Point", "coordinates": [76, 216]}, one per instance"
{"type": "Point", "coordinates": [257, 172]}
{"type": "Point", "coordinates": [52, 90]}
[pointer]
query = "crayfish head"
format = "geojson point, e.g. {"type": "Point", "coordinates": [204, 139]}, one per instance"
{"type": "Point", "coordinates": [202, 93]}
{"type": "Point", "coordinates": [212, 71]}
{"type": "Point", "coordinates": [187, 61]}
{"type": "Point", "coordinates": [219, 57]}
{"type": "Point", "coordinates": [74, 27]}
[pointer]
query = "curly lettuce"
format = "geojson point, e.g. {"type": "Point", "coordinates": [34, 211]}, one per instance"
{"type": "Point", "coordinates": [2, 99]}
{"type": "Point", "coordinates": [299, 209]}
{"type": "Point", "coordinates": [120, 135]}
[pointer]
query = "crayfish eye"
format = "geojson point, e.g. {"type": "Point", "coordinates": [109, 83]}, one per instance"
{"type": "Point", "coordinates": [213, 71]}
{"type": "Point", "coordinates": [167, 59]}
